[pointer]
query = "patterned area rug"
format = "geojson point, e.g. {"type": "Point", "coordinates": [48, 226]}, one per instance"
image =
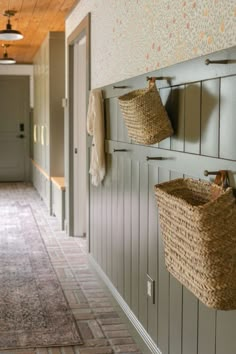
{"type": "Point", "coordinates": [33, 309]}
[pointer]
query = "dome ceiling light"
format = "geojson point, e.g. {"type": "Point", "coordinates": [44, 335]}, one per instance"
{"type": "Point", "coordinates": [9, 34]}
{"type": "Point", "coordinates": [5, 59]}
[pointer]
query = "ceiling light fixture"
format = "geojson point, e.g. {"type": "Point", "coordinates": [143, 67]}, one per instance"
{"type": "Point", "coordinates": [9, 34]}
{"type": "Point", "coordinates": [5, 59]}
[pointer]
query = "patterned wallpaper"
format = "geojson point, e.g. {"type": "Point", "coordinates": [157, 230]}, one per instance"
{"type": "Point", "coordinates": [131, 37]}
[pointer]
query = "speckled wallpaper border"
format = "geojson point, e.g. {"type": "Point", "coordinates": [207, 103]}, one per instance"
{"type": "Point", "coordinates": [131, 37]}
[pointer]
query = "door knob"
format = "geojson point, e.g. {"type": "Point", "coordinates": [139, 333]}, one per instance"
{"type": "Point", "coordinates": [21, 136]}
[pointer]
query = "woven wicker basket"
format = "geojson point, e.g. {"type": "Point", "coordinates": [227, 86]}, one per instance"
{"type": "Point", "coordinates": [145, 116]}
{"type": "Point", "coordinates": [198, 225]}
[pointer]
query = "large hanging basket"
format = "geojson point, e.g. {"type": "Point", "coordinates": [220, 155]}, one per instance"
{"type": "Point", "coordinates": [198, 225]}
{"type": "Point", "coordinates": [145, 116]}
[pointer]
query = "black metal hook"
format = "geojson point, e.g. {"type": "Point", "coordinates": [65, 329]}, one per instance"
{"type": "Point", "coordinates": [120, 87]}
{"type": "Point", "coordinates": [208, 173]}
{"type": "Point", "coordinates": [154, 158]}
{"type": "Point", "coordinates": [154, 78]}
{"type": "Point", "coordinates": [224, 61]}
{"type": "Point", "coordinates": [120, 150]}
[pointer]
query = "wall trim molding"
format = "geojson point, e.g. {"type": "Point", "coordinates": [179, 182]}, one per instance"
{"type": "Point", "coordinates": [83, 29]}
{"type": "Point", "coordinates": [126, 309]}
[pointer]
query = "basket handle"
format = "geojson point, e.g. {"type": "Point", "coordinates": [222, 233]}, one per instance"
{"type": "Point", "coordinates": [222, 179]}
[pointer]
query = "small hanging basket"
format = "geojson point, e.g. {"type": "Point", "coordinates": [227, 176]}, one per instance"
{"type": "Point", "coordinates": [145, 116]}
{"type": "Point", "coordinates": [198, 226]}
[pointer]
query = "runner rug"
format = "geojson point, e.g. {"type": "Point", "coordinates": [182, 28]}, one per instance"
{"type": "Point", "coordinates": [33, 309]}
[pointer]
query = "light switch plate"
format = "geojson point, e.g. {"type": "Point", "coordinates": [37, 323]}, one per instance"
{"type": "Point", "coordinates": [64, 102]}
{"type": "Point", "coordinates": [151, 288]}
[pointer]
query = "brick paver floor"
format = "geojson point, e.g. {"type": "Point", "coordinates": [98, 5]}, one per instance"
{"type": "Point", "coordinates": [102, 329]}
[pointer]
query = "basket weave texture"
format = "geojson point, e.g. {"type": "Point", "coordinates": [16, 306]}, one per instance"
{"type": "Point", "coordinates": [145, 116]}
{"type": "Point", "coordinates": [198, 226]}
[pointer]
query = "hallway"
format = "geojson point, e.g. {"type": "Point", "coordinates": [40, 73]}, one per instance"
{"type": "Point", "coordinates": [102, 330]}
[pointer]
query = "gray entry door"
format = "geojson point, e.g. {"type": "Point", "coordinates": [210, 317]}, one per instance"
{"type": "Point", "coordinates": [14, 128]}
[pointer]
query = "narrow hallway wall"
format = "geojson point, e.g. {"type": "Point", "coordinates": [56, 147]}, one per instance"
{"type": "Point", "coordinates": [130, 38]}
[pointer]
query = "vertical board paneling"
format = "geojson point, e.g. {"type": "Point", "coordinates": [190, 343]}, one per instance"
{"type": "Point", "coordinates": [176, 301]}
{"type": "Point", "coordinates": [192, 118]}
{"type": "Point", "coordinates": [190, 323]}
{"type": "Point", "coordinates": [210, 118]}
{"type": "Point", "coordinates": [94, 248]}
{"type": "Point", "coordinates": [152, 250]}
{"type": "Point", "coordinates": [177, 118]}
{"type": "Point", "coordinates": [143, 220]}
{"type": "Point", "coordinates": [108, 213]}
{"type": "Point", "coordinates": [114, 221]}
{"type": "Point", "coordinates": [127, 230]}
{"type": "Point", "coordinates": [227, 118]}
{"type": "Point", "coordinates": [91, 218]}
{"type": "Point", "coordinates": [135, 237]}
{"type": "Point", "coordinates": [175, 318]}
{"type": "Point", "coordinates": [120, 226]}
{"type": "Point", "coordinates": [207, 330]}
{"type": "Point", "coordinates": [108, 118]}
{"type": "Point", "coordinates": [99, 223]}
{"type": "Point", "coordinates": [165, 97]}
{"type": "Point", "coordinates": [104, 226]}
{"type": "Point", "coordinates": [163, 286]}
{"type": "Point", "coordinates": [202, 115]}
{"type": "Point", "coordinates": [111, 112]}
{"type": "Point", "coordinates": [225, 334]}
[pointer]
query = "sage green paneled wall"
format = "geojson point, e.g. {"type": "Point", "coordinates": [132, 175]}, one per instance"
{"type": "Point", "coordinates": [130, 38]}
{"type": "Point", "coordinates": [48, 126]}
{"type": "Point", "coordinates": [125, 239]}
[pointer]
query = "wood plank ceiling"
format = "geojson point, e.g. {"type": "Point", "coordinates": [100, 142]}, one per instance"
{"type": "Point", "coordinates": [34, 19]}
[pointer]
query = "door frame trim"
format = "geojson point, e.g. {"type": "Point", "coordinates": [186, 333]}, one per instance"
{"type": "Point", "coordinates": [82, 29]}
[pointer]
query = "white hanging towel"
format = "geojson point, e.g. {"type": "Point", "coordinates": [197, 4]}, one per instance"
{"type": "Point", "coordinates": [95, 127]}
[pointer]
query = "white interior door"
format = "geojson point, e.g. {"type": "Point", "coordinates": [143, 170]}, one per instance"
{"type": "Point", "coordinates": [14, 121]}
{"type": "Point", "coordinates": [80, 150]}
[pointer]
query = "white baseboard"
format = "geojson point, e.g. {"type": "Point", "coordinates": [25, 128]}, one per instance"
{"type": "Point", "coordinates": [126, 309]}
